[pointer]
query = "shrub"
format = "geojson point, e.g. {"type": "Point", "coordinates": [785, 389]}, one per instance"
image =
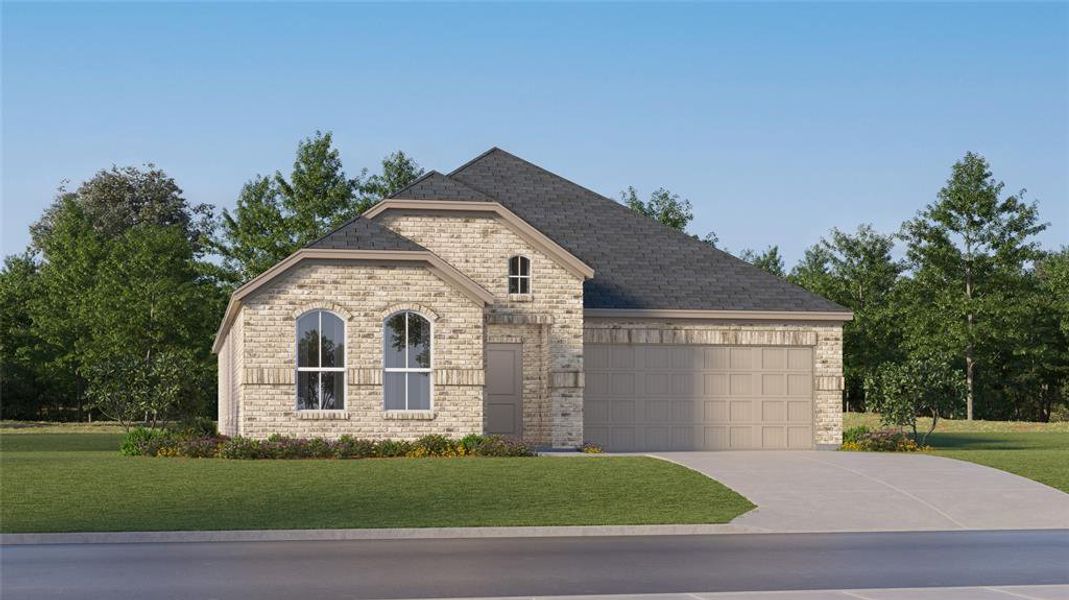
{"type": "Point", "coordinates": [883, 440]}
{"type": "Point", "coordinates": [242, 448]}
{"type": "Point", "coordinates": [142, 441]}
{"type": "Point", "coordinates": [924, 384]}
{"type": "Point", "coordinates": [317, 448]}
{"type": "Point", "coordinates": [392, 448]}
{"type": "Point", "coordinates": [434, 445]}
{"type": "Point", "coordinates": [854, 434]}
{"type": "Point", "coordinates": [349, 447]}
{"type": "Point", "coordinates": [496, 445]}
{"type": "Point", "coordinates": [471, 442]}
{"type": "Point", "coordinates": [590, 448]}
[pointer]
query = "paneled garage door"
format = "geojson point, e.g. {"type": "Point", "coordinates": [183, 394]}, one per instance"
{"type": "Point", "coordinates": [660, 397]}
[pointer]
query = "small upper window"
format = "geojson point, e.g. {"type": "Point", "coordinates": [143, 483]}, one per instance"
{"type": "Point", "coordinates": [519, 275]}
{"type": "Point", "coordinates": [320, 361]}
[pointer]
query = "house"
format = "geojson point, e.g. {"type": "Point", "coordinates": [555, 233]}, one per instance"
{"type": "Point", "coordinates": [502, 298]}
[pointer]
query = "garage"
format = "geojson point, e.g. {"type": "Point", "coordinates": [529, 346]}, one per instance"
{"type": "Point", "coordinates": [689, 397]}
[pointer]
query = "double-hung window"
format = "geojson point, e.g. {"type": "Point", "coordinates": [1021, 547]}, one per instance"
{"type": "Point", "coordinates": [519, 275]}
{"type": "Point", "coordinates": [320, 361]}
{"type": "Point", "coordinates": [406, 362]}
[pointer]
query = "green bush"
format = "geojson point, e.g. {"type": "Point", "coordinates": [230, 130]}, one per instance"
{"type": "Point", "coordinates": [434, 445]}
{"type": "Point", "coordinates": [142, 441]}
{"type": "Point", "coordinates": [193, 428]}
{"type": "Point", "coordinates": [242, 448]}
{"type": "Point", "coordinates": [349, 447]}
{"type": "Point", "coordinates": [884, 440]}
{"type": "Point", "coordinates": [392, 448]}
{"type": "Point", "coordinates": [496, 445]}
{"type": "Point", "coordinates": [854, 434]}
{"type": "Point", "coordinates": [471, 442]}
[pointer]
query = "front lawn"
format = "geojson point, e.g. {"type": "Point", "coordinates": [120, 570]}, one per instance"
{"type": "Point", "coordinates": [78, 482]}
{"type": "Point", "coordinates": [1043, 457]}
{"type": "Point", "coordinates": [1038, 451]}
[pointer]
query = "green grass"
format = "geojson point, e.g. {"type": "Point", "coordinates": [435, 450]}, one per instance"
{"type": "Point", "coordinates": [1038, 451]}
{"type": "Point", "coordinates": [1042, 456]}
{"type": "Point", "coordinates": [78, 482]}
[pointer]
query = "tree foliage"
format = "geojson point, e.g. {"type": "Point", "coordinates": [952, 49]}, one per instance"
{"type": "Point", "coordinates": [663, 206]}
{"type": "Point", "coordinates": [922, 385]}
{"type": "Point", "coordinates": [967, 254]}
{"type": "Point", "coordinates": [277, 215]}
{"type": "Point", "coordinates": [857, 271]}
{"type": "Point", "coordinates": [769, 260]}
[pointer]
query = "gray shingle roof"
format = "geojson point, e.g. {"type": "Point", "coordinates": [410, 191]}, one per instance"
{"type": "Point", "coordinates": [435, 186]}
{"type": "Point", "coordinates": [638, 263]}
{"type": "Point", "coordinates": [362, 234]}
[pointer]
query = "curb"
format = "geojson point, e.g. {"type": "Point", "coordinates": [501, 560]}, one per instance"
{"type": "Point", "coordinates": [415, 533]}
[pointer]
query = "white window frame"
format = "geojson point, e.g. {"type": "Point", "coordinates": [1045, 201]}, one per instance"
{"type": "Point", "coordinates": [406, 369]}
{"type": "Point", "coordinates": [320, 369]}
{"type": "Point", "coordinates": [520, 277]}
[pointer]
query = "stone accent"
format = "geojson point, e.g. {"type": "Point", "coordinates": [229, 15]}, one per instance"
{"type": "Point", "coordinates": [362, 292]}
{"type": "Point", "coordinates": [825, 339]}
{"type": "Point", "coordinates": [548, 321]}
{"type": "Point", "coordinates": [409, 415]}
{"type": "Point", "coordinates": [474, 377]}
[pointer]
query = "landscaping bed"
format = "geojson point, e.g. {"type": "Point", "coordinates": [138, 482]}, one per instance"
{"type": "Point", "coordinates": [53, 481]}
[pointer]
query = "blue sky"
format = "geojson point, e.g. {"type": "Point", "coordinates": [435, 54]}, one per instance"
{"type": "Point", "coordinates": [778, 121]}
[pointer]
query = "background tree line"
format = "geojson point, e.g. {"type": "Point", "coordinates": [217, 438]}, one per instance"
{"type": "Point", "coordinates": [963, 285]}
{"type": "Point", "coordinates": [112, 308]}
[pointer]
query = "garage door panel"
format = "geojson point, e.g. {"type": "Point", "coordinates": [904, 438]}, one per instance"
{"type": "Point", "coordinates": [773, 384]}
{"type": "Point", "coordinates": [773, 411]}
{"type": "Point", "coordinates": [799, 437]}
{"type": "Point", "coordinates": [669, 397]}
{"type": "Point", "coordinates": [799, 385]}
{"type": "Point", "coordinates": [773, 438]}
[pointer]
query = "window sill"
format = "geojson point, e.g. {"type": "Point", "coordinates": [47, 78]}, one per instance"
{"type": "Point", "coordinates": [323, 415]}
{"type": "Point", "coordinates": [520, 297]}
{"type": "Point", "coordinates": [408, 415]}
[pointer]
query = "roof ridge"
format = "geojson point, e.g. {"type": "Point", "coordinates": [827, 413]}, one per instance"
{"type": "Point", "coordinates": [419, 179]}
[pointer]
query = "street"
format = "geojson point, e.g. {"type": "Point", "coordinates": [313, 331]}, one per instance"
{"type": "Point", "coordinates": [533, 566]}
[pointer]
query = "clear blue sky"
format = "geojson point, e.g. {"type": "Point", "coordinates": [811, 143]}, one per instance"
{"type": "Point", "coordinates": [778, 121]}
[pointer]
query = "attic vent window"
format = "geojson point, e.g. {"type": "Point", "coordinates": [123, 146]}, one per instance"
{"type": "Point", "coordinates": [519, 275]}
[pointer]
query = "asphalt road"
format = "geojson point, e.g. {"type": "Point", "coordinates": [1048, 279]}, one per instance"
{"type": "Point", "coordinates": [533, 566]}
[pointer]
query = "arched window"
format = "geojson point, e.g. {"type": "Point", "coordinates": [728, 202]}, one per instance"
{"type": "Point", "coordinates": [320, 361]}
{"type": "Point", "coordinates": [519, 275]}
{"type": "Point", "coordinates": [406, 360]}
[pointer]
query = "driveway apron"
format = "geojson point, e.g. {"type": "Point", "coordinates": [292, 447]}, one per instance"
{"type": "Point", "coordinates": [799, 491]}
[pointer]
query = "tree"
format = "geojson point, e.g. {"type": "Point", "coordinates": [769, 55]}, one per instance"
{"type": "Point", "coordinates": [966, 253]}
{"type": "Point", "coordinates": [663, 206]}
{"type": "Point", "coordinates": [922, 385]}
{"type": "Point", "coordinates": [149, 301]}
{"type": "Point", "coordinates": [115, 200]}
{"type": "Point", "coordinates": [769, 260]}
{"type": "Point", "coordinates": [275, 216]}
{"type": "Point", "coordinates": [398, 171]}
{"type": "Point", "coordinates": [99, 253]}
{"type": "Point", "coordinates": [857, 271]}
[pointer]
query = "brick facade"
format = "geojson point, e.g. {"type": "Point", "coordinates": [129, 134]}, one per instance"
{"type": "Point", "coordinates": [362, 294]}
{"type": "Point", "coordinates": [548, 321]}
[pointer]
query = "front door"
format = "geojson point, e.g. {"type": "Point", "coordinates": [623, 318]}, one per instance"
{"type": "Point", "coordinates": [504, 385]}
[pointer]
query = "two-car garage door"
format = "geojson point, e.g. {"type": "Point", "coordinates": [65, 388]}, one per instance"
{"type": "Point", "coordinates": [661, 397]}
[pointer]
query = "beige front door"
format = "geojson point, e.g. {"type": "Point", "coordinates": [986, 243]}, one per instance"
{"type": "Point", "coordinates": [504, 389]}
{"type": "Point", "coordinates": [661, 397]}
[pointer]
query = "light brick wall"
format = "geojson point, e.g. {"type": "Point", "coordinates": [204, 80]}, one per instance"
{"type": "Point", "coordinates": [825, 339]}
{"type": "Point", "coordinates": [362, 294]}
{"type": "Point", "coordinates": [480, 245]}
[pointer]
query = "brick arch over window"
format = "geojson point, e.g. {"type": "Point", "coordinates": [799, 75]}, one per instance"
{"type": "Point", "coordinates": [327, 306]}
{"type": "Point", "coordinates": [425, 312]}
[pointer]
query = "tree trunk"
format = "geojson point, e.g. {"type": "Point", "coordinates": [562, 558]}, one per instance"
{"type": "Point", "coordinates": [968, 337]}
{"type": "Point", "coordinates": [968, 382]}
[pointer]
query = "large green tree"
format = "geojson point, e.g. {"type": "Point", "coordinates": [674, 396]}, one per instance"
{"type": "Point", "coordinates": [768, 260]}
{"type": "Point", "coordinates": [277, 215]}
{"type": "Point", "coordinates": [857, 270]}
{"type": "Point", "coordinates": [966, 254]}
{"type": "Point", "coordinates": [78, 244]}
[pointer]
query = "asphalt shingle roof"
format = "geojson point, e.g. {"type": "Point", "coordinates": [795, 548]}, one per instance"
{"type": "Point", "coordinates": [638, 263]}
{"type": "Point", "coordinates": [364, 234]}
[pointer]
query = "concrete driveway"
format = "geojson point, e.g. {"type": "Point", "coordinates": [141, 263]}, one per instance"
{"type": "Point", "coordinates": [857, 491]}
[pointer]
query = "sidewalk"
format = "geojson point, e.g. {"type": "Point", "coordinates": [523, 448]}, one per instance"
{"type": "Point", "coordinates": [1026, 592]}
